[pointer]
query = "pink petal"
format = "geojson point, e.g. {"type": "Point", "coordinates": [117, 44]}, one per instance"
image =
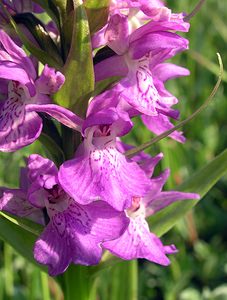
{"type": "Point", "coordinates": [138, 242]}
{"type": "Point", "coordinates": [41, 170]}
{"type": "Point", "coordinates": [61, 114]}
{"type": "Point", "coordinates": [75, 235]}
{"type": "Point", "coordinates": [153, 26]}
{"type": "Point", "coordinates": [164, 199]}
{"type": "Point", "coordinates": [103, 174]}
{"type": "Point", "coordinates": [14, 201]}
{"type": "Point", "coordinates": [17, 127]}
{"type": "Point", "coordinates": [159, 124]}
{"type": "Point", "coordinates": [139, 91]}
{"type": "Point", "coordinates": [50, 81]}
{"type": "Point", "coordinates": [113, 66]}
{"type": "Point", "coordinates": [13, 71]}
{"type": "Point", "coordinates": [157, 41]}
{"type": "Point", "coordinates": [17, 54]}
{"type": "Point", "coordinates": [52, 250]}
{"type": "Point", "coordinates": [167, 71]}
{"type": "Point", "coordinates": [117, 33]}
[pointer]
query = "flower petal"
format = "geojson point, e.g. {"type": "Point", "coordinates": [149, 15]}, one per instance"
{"type": "Point", "coordinates": [42, 170]}
{"type": "Point", "coordinates": [50, 81]}
{"type": "Point", "coordinates": [18, 128]}
{"type": "Point", "coordinates": [98, 39]}
{"type": "Point", "coordinates": [153, 26]}
{"type": "Point", "coordinates": [13, 71]}
{"type": "Point", "coordinates": [167, 71]}
{"type": "Point", "coordinates": [75, 234]}
{"type": "Point", "coordinates": [139, 91]}
{"type": "Point", "coordinates": [148, 165]}
{"type": "Point", "coordinates": [117, 33]}
{"type": "Point", "coordinates": [144, 160]}
{"type": "Point", "coordinates": [17, 54]}
{"type": "Point", "coordinates": [107, 223]}
{"type": "Point", "coordinates": [113, 66]}
{"type": "Point", "coordinates": [138, 242]}
{"type": "Point", "coordinates": [52, 250]}
{"type": "Point", "coordinates": [103, 174]}
{"type": "Point", "coordinates": [42, 174]}
{"type": "Point", "coordinates": [14, 201]}
{"type": "Point", "coordinates": [158, 42]}
{"type": "Point", "coordinates": [118, 120]}
{"type": "Point", "coordinates": [163, 199]}
{"type": "Point", "coordinates": [61, 114]}
{"type": "Point", "coordinates": [159, 124]}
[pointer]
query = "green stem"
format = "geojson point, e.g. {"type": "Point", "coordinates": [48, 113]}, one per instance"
{"type": "Point", "coordinates": [133, 280]}
{"type": "Point", "coordinates": [195, 10]}
{"type": "Point", "coordinates": [78, 284]}
{"type": "Point", "coordinates": [167, 162]}
{"type": "Point", "coordinates": [124, 281]}
{"type": "Point", "coordinates": [45, 286]}
{"type": "Point", "coordinates": [33, 282]}
{"type": "Point", "coordinates": [9, 278]}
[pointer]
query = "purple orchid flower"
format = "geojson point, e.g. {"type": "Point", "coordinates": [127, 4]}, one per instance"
{"type": "Point", "coordinates": [140, 62]}
{"type": "Point", "coordinates": [21, 88]}
{"type": "Point", "coordinates": [99, 169]}
{"type": "Point", "coordinates": [137, 241]}
{"type": "Point", "coordinates": [160, 123]}
{"type": "Point", "coordinates": [14, 201]}
{"type": "Point", "coordinates": [146, 162]}
{"type": "Point", "coordinates": [137, 12]}
{"type": "Point", "coordinates": [74, 232]}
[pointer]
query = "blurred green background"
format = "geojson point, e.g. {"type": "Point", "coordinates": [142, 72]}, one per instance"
{"type": "Point", "coordinates": [199, 270]}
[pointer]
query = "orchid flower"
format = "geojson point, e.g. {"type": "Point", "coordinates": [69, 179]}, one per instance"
{"type": "Point", "coordinates": [22, 87]}
{"type": "Point", "coordinates": [137, 241]}
{"type": "Point", "coordinates": [99, 169]}
{"type": "Point", "coordinates": [15, 202]}
{"type": "Point", "coordinates": [74, 232]}
{"type": "Point", "coordinates": [140, 62]}
{"type": "Point", "coordinates": [138, 13]}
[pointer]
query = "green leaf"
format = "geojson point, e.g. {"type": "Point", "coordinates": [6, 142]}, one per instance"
{"type": "Point", "coordinates": [201, 182]}
{"type": "Point", "coordinates": [26, 224]}
{"type": "Point", "coordinates": [97, 18]}
{"type": "Point", "coordinates": [60, 4]}
{"type": "Point", "coordinates": [62, 12]}
{"type": "Point", "coordinates": [117, 281]}
{"type": "Point", "coordinates": [96, 4]}
{"type": "Point", "coordinates": [37, 52]}
{"type": "Point", "coordinates": [75, 93]}
{"type": "Point", "coordinates": [39, 33]}
{"type": "Point", "coordinates": [12, 231]}
{"type": "Point", "coordinates": [51, 9]}
{"type": "Point", "coordinates": [105, 84]}
{"type": "Point", "coordinates": [97, 12]}
{"type": "Point", "coordinates": [127, 286]}
{"type": "Point", "coordinates": [144, 146]}
{"type": "Point", "coordinates": [194, 11]}
{"type": "Point", "coordinates": [85, 287]}
{"type": "Point", "coordinates": [206, 63]}
{"type": "Point", "coordinates": [52, 141]}
{"type": "Point", "coordinates": [52, 148]}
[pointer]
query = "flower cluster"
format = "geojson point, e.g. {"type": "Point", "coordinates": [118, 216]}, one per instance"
{"type": "Point", "coordinates": [99, 199]}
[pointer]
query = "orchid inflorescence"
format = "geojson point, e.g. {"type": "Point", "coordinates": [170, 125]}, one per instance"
{"type": "Point", "coordinates": [98, 199]}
